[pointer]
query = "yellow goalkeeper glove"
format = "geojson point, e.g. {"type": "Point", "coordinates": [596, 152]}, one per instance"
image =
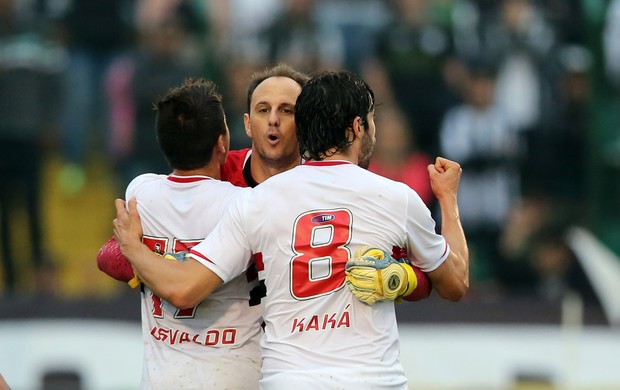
{"type": "Point", "coordinates": [135, 281]}
{"type": "Point", "coordinates": [180, 256]}
{"type": "Point", "coordinates": [374, 276]}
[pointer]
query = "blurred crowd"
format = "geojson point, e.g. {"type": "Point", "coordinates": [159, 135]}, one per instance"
{"type": "Point", "coordinates": [504, 87]}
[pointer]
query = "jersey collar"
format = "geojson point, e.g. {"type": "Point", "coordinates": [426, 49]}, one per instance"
{"type": "Point", "coordinates": [187, 179]}
{"type": "Point", "coordinates": [247, 172]}
{"type": "Point", "coordinates": [326, 163]}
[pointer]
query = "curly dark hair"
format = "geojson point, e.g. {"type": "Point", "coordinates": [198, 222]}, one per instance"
{"type": "Point", "coordinates": [325, 110]}
{"type": "Point", "coordinates": [190, 118]}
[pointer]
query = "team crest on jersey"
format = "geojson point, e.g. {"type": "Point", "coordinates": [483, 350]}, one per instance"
{"type": "Point", "coordinates": [323, 218]}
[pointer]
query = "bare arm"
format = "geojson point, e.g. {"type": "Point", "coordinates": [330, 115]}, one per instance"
{"type": "Point", "coordinates": [451, 279]}
{"type": "Point", "coordinates": [183, 284]}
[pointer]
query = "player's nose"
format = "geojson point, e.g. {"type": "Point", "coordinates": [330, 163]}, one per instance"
{"type": "Point", "coordinates": [274, 118]}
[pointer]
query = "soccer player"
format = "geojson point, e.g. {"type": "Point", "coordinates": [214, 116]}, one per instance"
{"type": "Point", "coordinates": [194, 137]}
{"type": "Point", "coordinates": [270, 123]}
{"type": "Point", "coordinates": [302, 226]}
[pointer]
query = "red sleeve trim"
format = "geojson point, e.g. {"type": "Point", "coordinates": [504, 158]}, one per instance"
{"type": "Point", "coordinates": [200, 255]}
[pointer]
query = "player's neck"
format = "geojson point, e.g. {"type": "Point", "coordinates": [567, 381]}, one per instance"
{"type": "Point", "coordinates": [342, 156]}
{"type": "Point", "coordinates": [211, 170]}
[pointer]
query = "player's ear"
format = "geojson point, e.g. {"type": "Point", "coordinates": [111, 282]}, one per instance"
{"type": "Point", "coordinates": [358, 127]}
{"type": "Point", "coordinates": [223, 143]}
{"type": "Point", "coordinates": [248, 126]}
{"type": "Point", "coordinates": [220, 150]}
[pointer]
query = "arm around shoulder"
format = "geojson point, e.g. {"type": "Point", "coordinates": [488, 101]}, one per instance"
{"type": "Point", "coordinates": [182, 283]}
{"type": "Point", "coordinates": [185, 284]}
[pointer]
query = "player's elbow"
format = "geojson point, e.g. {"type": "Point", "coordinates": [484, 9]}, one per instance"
{"type": "Point", "coordinates": [189, 293]}
{"type": "Point", "coordinates": [455, 293]}
{"type": "Point", "coordinates": [453, 277]}
{"type": "Point", "coordinates": [181, 298]}
{"type": "Point", "coordinates": [191, 285]}
{"type": "Point", "coordinates": [183, 303]}
{"type": "Point", "coordinates": [452, 289]}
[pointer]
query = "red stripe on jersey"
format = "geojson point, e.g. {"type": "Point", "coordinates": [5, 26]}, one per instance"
{"type": "Point", "coordinates": [326, 163]}
{"type": "Point", "coordinates": [258, 259]}
{"type": "Point", "coordinates": [187, 179]}
{"type": "Point", "coordinates": [445, 250]}
{"type": "Point", "coordinates": [192, 252]}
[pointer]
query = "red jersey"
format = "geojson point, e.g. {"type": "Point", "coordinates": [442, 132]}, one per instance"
{"type": "Point", "coordinates": [236, 169]}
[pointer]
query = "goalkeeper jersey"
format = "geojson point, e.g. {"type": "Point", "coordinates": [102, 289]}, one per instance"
{"type": "Point", "coordinates": [236, 169]}
{"type": "Point", "coordinates": [302, 226]}
{"type": "Point", "coordinates": [215, 344]}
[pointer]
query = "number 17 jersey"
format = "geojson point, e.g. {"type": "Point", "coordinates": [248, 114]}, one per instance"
{"type": "Point", "coordinates": [215, 344]}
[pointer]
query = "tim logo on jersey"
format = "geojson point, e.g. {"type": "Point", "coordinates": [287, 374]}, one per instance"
{"type": "Point", "coordinates": [323, 218]}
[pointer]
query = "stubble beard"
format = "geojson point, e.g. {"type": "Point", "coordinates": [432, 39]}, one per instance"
{"type": "Point", "coordinates": [366, 152]}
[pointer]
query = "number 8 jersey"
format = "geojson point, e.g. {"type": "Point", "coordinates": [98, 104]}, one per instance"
{"type": "Point", "coordinates": [301, 226]}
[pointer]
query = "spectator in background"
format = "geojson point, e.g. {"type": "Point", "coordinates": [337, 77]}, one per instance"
{"type": "Point", "coordinates": [237, 27]}
{"type": "Point", "coordinates": [236, 49]}
{"type": "Point", "coordinates": [357, 23]}
{"type": "Point", "coordinates": [408, 67]}
{"type": "Point", "coordinates": [133, 83]}
{"type": "Point", "coordinates": [527, 216]}
{"type": "Point", "coordinates": [236, 75]}
{"type": "Point", "coordinates": [557, 270]}
{"type": "Point", "coordinates": [297, 38]}
{"type": "Point", "coordinates": [568, 20]}
{"type": "Point", "coordinates": [520, 39]}
{"type": "Point", "coordinates": [611, 58]}
{"type": "Point", "coordinates": [480, 135]}
{"type": "Point", "coordinates": [611, 42]}
{"type": "Point", "coordinates": [396, 156]}
{"type": "Point", "coordinates": [561, 142]}
{"type": "Point", "coordinates": [30, 66]}
{"type": "Point", "coordinates": [535, 255]}
{"type": "Point", "coordinates": [96, 33]}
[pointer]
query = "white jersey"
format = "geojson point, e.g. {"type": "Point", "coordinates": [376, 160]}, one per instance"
{"type": "Point", "coordinates": [214, 345]}
{"type": "Point", "coordinates": [303, 225]}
